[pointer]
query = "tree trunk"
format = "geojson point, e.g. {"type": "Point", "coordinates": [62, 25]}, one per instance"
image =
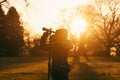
{"type": "Point", "coordinates": [108, 51]}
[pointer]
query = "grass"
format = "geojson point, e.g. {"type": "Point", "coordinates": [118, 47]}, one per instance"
{"type": "Point", "coordinates": [35, 68]}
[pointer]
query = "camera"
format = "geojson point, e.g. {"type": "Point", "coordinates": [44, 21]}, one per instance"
{"type": "Point", "coordinates": [48, 30]}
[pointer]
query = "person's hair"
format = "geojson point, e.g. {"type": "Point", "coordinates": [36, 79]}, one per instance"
{"type": "Point", "coordinates": [61, 34]}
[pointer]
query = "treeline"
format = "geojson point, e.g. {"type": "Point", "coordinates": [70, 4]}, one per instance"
{"type": "Point", "coordinates": [11, 33]}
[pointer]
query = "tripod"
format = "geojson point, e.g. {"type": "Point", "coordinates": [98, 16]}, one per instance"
{"type": "Point", "coordinates": [50, 55]}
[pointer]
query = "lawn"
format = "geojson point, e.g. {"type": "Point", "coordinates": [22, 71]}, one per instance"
{"type": "Point", "coordinates": [35, 68]}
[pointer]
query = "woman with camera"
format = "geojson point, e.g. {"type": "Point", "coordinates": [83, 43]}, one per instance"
{"type": "Point", "coordinates": [59, 46]}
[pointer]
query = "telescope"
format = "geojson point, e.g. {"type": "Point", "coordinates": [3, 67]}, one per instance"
{"type": "Point", "coordinates": [48, 30]}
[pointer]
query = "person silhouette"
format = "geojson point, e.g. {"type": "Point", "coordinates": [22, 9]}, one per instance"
{"type": "Point", "coordinates": [60, 47]}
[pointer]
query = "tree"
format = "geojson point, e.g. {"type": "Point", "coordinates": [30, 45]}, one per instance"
{"type": "Point", "coordinates": [2, 37]}
{"type": "Point", "coordinates": [103, 22]}
{"type": "Point", "coordinates": [3, 1]}
{"type": "Point", "coordinates": [35, 50]}
{"type": "Point", "coordinates": [103, 18]}
{"type": "Point", "coordinates": [106, 26]}
{"type": "Point", "coordinates": [13, 33]}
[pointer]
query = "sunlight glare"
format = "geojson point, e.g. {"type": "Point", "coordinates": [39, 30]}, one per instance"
{"type": "Point", "coordinates": [78, 26]}
{"type": "Point", "coordinates": [44, 13]}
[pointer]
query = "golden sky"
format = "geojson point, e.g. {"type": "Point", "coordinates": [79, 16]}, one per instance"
{"type": "Point", "coordinates": [44, 13]}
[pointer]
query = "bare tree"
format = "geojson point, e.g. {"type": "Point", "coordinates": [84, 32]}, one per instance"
{"type": "Point", "coordinates": [103, 18]}
{"type": "Point", "coordinates": [107, 27]}
{"type": "Point", "coordinates": [3, 1]}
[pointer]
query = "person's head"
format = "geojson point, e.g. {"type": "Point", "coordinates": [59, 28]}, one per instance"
{"type": "Point", "coordinates": [61, 34]}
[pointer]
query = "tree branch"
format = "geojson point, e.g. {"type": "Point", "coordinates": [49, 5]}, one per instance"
{"type": "Point", "coordinates": [3, 1]}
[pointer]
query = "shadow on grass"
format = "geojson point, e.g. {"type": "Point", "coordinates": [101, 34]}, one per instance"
{"type": "Point", "coordinates": [82, 71]}
{"type": "Point", "coordinates": [16, 62]}
{"type": "Point", "coordinates": [24, 76]}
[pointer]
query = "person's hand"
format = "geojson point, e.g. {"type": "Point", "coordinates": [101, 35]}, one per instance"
{"type": "Point", "coordinates": [46, 33]}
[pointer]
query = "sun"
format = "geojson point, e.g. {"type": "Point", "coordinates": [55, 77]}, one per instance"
{"type": "Point", "coordinates": [78, 25]}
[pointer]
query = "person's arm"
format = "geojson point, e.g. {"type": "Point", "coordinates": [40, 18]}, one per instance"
{"type": "Point", "coordinates": [43, 40]}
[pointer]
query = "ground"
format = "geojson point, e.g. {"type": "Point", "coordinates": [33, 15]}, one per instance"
{"type": "Point", "coordinates": [36, 68]}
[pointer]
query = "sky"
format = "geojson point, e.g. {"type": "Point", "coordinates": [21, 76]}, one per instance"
{"type": "Point", "coordinates": [43, 13]}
